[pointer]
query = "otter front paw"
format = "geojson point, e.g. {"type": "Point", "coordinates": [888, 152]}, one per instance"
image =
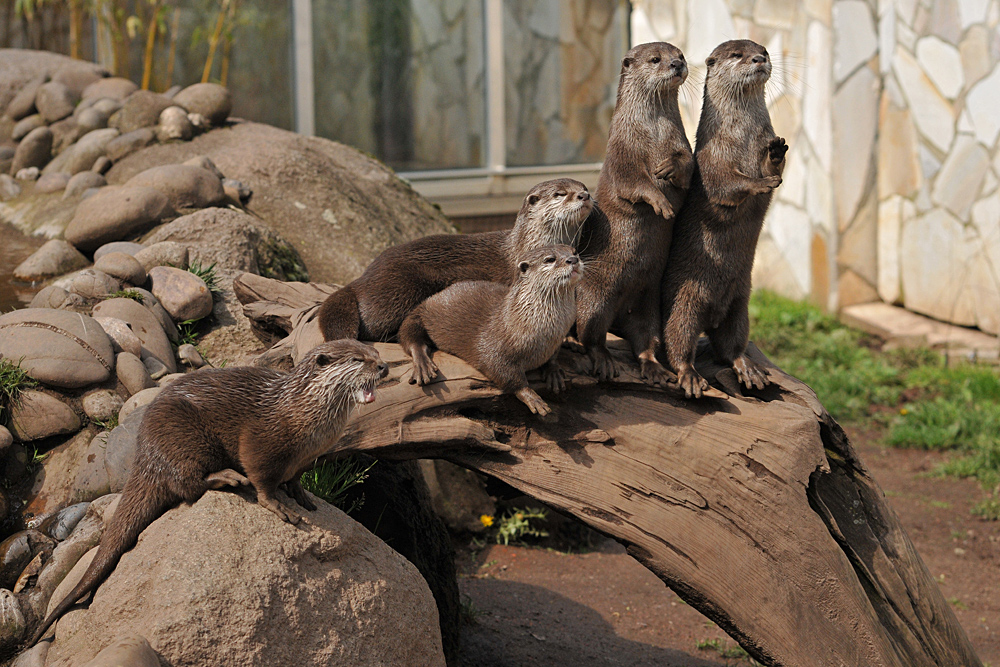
{"type": "Point", "coordinates": [665, 169]}
{"type": "Point", "coordinates": [691, 383]}
{"type": "Point", "coordinates": [298, 494]}
{"type": "Point", "coordinates": [750, 373]}
{"type": "Point", "coordinates": [224, 478]}
{"type": "Point", "coordinates": [424, 369]}
{"type": "Point", "coordinates": [776, 150]}
{"type": "Point", "coordinates": [660, 205]}
{"type": "Point", "coordinates": [534, 402]}
{"type": "Point", "coordinates": [602, 365]}
{"type": "Point", "coordinates": [766, 184]}
{"type": "Point", "coordinates": [284, 512]}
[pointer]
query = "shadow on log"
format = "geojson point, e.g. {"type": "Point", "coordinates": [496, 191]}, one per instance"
{"type": "Point", "coordinates": [755, 510]}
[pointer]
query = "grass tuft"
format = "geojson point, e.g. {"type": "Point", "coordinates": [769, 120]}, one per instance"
{"type": "Point", "coordinates": [331, 480]}
{"type": "Point", "coordinates": [135, 295]}
{"type": "Point", "coordinates": [515, 525]}
{"type": "Point", "coordinates": [207, 274]}
{"type": "Point", "coordinates": [13, 380]}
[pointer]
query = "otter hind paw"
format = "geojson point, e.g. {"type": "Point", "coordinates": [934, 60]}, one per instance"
{"type": "Point", "coordinates": [533, 401]}
{"type": "Point", "coordinates": [691, 383]}
{"type": "Point", "coordinates": [749, 373]}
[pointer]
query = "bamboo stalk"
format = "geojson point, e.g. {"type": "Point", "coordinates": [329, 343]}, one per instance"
{"type": "Point", "coordinates": [213, 42]}
{"type": "Point", "coordinates": [147, 59]}
{"type": "Point", "coordinates": [75, 20]}
{"type": "Point", "coordinates": [174, 27]}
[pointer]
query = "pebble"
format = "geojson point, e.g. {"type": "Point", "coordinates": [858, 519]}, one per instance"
{"type": "Point", "coordinates": [35, 150]}
{"type": "Point", "coordinates": [154, 367]}
{"type": "Point", "coordinates": [101, 165]}
{"type": "Point", "coordinates": [61, 525]}
{"type": "Point", "coordinates": [164, 253]}
{"type": "Point", "coordinates": [93, 284]}
{"type": "Point", "coordinates": [190, 356]}
{"type": "Point", "coordinates": [125, 268]}
{"type": "Point", "coordinates": [153, 305]}
{"type": "Point", "coordinates": [88, 149]}
{"type": "Point", "coordinates": [101, 405]}
{"type": "Point", "coordinates": [8, 187]}
{"type": "Point", "coordinates": [55, 101]}
{"type": "Point", "coordinates": [132, 373]}
{"type": "Point", "coordinates": [117, 88]}
{"type": "Point", "coordinates": [26, 125]}
{"type": "Point", "coordinates": [92, 119]}
{"type": "Point", "coordinates": [132, 650]}
{"type": "Point", "coordinates": [123, 339]}
{"type": "Point", "coordinates": [144, 397]}
{"type": "Point", "coordinates": [129, 142]}
{"type": "Point", "coordinates": [17, 551]}
{"type": "Point", "coordinates": [184, 295]}
{"type": "Point", "coordinates": [208, 99]}
{"type": "Point", "coordinates": [83, 181]}
{"type": "Point", "coordinates": [57, 347]}
{"type": "Point", "coordinates": [127, 247]}
{"type": "Point", "coordinates": [169, 378]}
{"type": "Point", "coordinates": [37, 415]}
{"type": "Point", "coordinates": [54, 258]}
{"type": "Point", "coordinates": [6, 440]}
{"type": "Point", "coordinates": [184, 186]}
{"type": "Point", "coordinates": [144, 324]}
{"type": "Point", "coordinates": [114, 213]}
{"type": "Point", "coordinates": [65, 133]}
{"type": "Point", "coordinates": [174, 124]}
{"type": "Point", "coordinates": [27, 174]}
{"type": "Point", "coordinates": [23, 103]}
{"type": "Point", "coordinates": [52, 182]}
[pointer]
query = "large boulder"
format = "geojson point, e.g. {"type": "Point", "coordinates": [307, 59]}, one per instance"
{"type": "Point", "coordinates": [116, 88]}
{"type": "Point", "coordinates": [339, 207]}
{"type": "Point", "coordinates": [54, 258]}
{"type": "Point", "coordinates": [113, 214]}
{"type": "Point", "coordinates": [37, 415]}
{"type": "Point", "coordinates": [329, 593]}
{"type": "Point", "coordinates": [57, 347]}
{"type": "Point", "coordinates": [208, 99]}
{"type": "Point", "coordinates": [185, 186]}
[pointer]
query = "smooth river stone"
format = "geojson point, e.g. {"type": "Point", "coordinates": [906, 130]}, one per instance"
{"type": "Point", "coordinates": [57, 347]}
{"type": "Point", "coordinates": [36, 415]}
{"type": "Point", "coordinates": [144, 324]}
{"type": "Point", "coordinates": [114, 213]}
{"type": "Point", "coordinates": [183, 294]}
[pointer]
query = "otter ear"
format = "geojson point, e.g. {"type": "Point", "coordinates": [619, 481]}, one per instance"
{"type": "Point", "coordinates": [710, 61]}
{"type": "Point", "coordinates": [523, 267]}
{"type": "Point", "coordinates": [626, 62]}
{"type": "Point", "coordinates": [323, 360]}
{"type": "Point", "coordinates": [533, 199]}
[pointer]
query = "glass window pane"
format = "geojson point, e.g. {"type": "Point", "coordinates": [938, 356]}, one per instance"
{"type": "Point", "coordinates": [561, 62]}
{"type": "Point", "coordinates": [402, 79]}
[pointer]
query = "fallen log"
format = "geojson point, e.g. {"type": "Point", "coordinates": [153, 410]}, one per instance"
{"type": "Point", "coordinates": [754, 509]}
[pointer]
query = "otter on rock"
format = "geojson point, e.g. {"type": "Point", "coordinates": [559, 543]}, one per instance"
{"type": "Point", "coordinates": [229, 427]}
{"type": "Point", "coordinates": [643, 182]}
{"type": "Point", "coordinates": [501, 331]}
{"type": "Point", "coordinates": [373, 306]}
{"type": "Point", "coordinates": [739, 162]}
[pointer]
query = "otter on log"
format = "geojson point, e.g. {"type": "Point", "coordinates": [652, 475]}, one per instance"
{"type": "Point", "coordinates": [501, 331]}
{"type": "Point", "coordinates": [739, 162]}
{"type": "Point", "coordinates": [230, 427]}
{"type": "Point", "coordinates": [643, 182]}
{"type": "Point", "coordinates": [373, 306]}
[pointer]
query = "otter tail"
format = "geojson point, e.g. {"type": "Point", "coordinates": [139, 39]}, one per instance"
{"type": "Point", "coordinates": [137, 509]}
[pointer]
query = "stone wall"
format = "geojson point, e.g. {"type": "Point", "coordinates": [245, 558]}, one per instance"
{"type": "Point", "coordinates": [892, 111]}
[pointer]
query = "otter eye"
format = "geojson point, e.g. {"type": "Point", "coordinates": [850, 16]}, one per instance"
{"type": "Point", "coordinates": [654, 59]}
{"type": "Point", "coordinates": [523, 267]}
{"type": "Point", "coordinates": [360, 360]}
{"type": "Point", "coordinates": [561, 193]}
{"type": "Point", "coordinates": [710, 61]}
{"type": "Point", "coordinates": [735, 55]}
{"type": "Point", "coordinates": [550, 260]}
{"type": "Point", "coordinates": [323, 360]}
{"type": "Point", "coordinates": [532, 200]}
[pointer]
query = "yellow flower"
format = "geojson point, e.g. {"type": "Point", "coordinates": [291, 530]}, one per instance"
{"type": "Point", "coordinates": [486, 520]}
{"type": "Point", "coordinates": [904, 411]}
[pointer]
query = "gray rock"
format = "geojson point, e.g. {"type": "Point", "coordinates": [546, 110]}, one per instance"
{"type": "Point", "coordinates": [164, 253]}
{"type": "Point", "coordinates": [127, 247]}
{"type": "Point", "coordinates": [132, 373]}
{"type": "Point", "coordinates": [209, 99]}
{"type": "Point", "coordinates": [54, 258]}
{"type": "Point", "coordinates": [6, 153]}
{"type": "Point", "coordinates": [123, 339]}
{"type": "Point", "coordinates": [65, 133]}
{"type": "Point", "coordinates": [26, 125]}
{"type": "Point", "coordinates": [125, 268]}
{"type": "Point", "coordinates": [184, 186]}
{"type": "Point", "coordinates": [169, 379]}
{"type": "Point", "coordinates": [101, 405]}
{"type": "Point", "coordinates": [12, 625]}
{"type": "Point", "coordinates": [33, 657]}
{"type": "Point", "coordinates": [83, 181]}
{"type": "Point", "coordinates": [154, 367]}
{"type": "Point", "coordinates": [23, 103]}
{"type": "Point", "coordinates": [35, 150]}
{"type": "Point", "coordinates": [138, 400]}
{"type": "Point", "coordinates": [237, 190]}
{"type": "Point", "coordinates": [101, 165]}
{"type": "Point", "coordinates": [190, 356]}
{"type": "Point", "coordinates": [85, 152]}
{"type": "Point", "coordinates": [184, 295]}
{"type": "Point", "coordinates": [52, 182]}
{"type": "Point", "coordinates": [54, 296]}
{"type": "Point", "coordinates": [144, 324]}
{"type": "Point", "coordinates": [141, 109]}
{"type": "Point", "coordinates": [132, 650]}
{"type": "Point", "coordinates": [172, 91]}
{"type": "Point", "coordinates": [128, 143]}
{"type": "Point", "coordinates": [27, 174]}
{"type": "Point", "coordinates": [9, 188]}
{"type": "Point", "coordinates": [114, 213]}
{"type": "Point", "coordinates": [114, 87]}
{"type": "Point", "coordinates": [107, 106]}
{"type": "Point", "coordinates": [93, 284]}
{"type": "Point", "coordinates": [37, 415]}
{"type": "Point", "coordinates": [92, 119]}
{"type": "Point", "coordinates": [174, 124]}
{"type": "Point", "coordinates": [60, 525]}
{"type": "Point", "coordinates": [77, 79]}
{"type": "Point", "coordinates": [55, 101]}
{"type": "Point", "coordinates": [204, 162]}
{"type": "Point", "coordinates": [119, 449]}
{"type": "Point", "coordinates": [57, 347]}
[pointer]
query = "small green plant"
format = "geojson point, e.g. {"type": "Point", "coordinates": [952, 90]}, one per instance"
{"type": "Point", "coordinates": [13, 380]}
{"type": "Point", "coordinates": [957, 604]}
{"type": "Point", "coordinates": [135, 295]}
{"type": "Point", "coordinates": [207, 274]}
{"type": "Point", "coordinates": [188, 332]}
{"type": "Point", "coordinates": [107, 424]}
{"type": "Point", "coordinates": [515, 524]}
{"type": "Point", "coordinates": [331, 480]}
{"type": "Point", "coordinates": [469, 613]}
{"type": "Point", "coordinates": [35, 461]}
{"type": "Point", "coordinates": [988, 508]}
{"type": "Point", "coordinates": [725, 650]}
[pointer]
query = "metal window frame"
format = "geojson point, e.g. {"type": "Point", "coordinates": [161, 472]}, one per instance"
{"type": "Point", "coordinates": [493, 189]}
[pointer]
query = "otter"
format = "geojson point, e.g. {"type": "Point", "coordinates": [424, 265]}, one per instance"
{"type": "Point", "coordinates": [646, 173]}
{"type": "Point", "coordinates": [373, 306]}
{"type": "Point", "coordinates": [217, 428]}
{"type": "Point", "coordinates": [501, 331]}
{"type": "Point", "coordinates": [738, 164]}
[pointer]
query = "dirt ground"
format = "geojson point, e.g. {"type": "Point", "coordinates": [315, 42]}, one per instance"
{"type": "Point", "coordinates": [534, 606]}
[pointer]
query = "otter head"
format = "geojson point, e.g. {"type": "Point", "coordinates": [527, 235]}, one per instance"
{"type": "Point", "coordinates": [653, 67]}
{"type": "Point", "coordinates": [736, 66]}
{"type": "Point", "coordinates": [342, 369]}
{"type": "Point", "coordinates": [550, 269]}
{"type": "Point", "coordinates": [553, 212]}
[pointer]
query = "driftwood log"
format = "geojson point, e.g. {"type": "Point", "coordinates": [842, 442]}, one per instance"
{"type": "Point", "coordinates": [755, 510]}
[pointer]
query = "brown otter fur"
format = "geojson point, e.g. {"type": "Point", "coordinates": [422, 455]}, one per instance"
{"type": "Point", "coordinates": [230, 427]}
{"type": "Point", "coordinates": [501, 331]}
{"type": "Point", "coordinates": [643, 183]}
{"type": "Point", "coordinates": [373, 306]}
{"type": "Point", "coordinates": [739, 162]}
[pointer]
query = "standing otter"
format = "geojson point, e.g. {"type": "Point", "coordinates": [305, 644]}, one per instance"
{"type": "Point", "coordinates": [739, 162]}
{"type": "Point", "coordinates": [230, 427]}
{"type": "Point", "coordinates": [643, 183]}
{"type": "Point", "coordinates": [501, 331]}
{"type": "Point", "coordinates": [373, 306]}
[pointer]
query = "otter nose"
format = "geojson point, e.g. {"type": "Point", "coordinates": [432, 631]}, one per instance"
{"type": "Point", "coordinates": [676, 63]}
{"type": "Point", "coordinates": [584, 195]}
{"type": "Point", "coordinates": [573, 260]}
{"type": "Point", "coordinates": [383, 369]}
{"type": "Point", "coordinates": [759, 59]}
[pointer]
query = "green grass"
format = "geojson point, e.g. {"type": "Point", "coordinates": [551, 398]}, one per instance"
{"type": "Point", "coordinates": [515, 525]}
{"type": "Point", "coordinates": [725, 650]}
{"type": "Point", "coordinates": [331, 480]}
{"type": "Point", "coordinates": [188, 332]}
{"type": "Point", "coordinates": [912, 395]}
{"type": "Point", "coordinates": [207, 274]}
{"type": "Point", "coordinates": [13, 380]}
{"type": "Point", "coordinates": [135, 295]}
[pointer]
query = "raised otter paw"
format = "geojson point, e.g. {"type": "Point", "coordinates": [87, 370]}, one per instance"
{"type": "Point", "coordinates": [665, 169]}
{"type": "Point", "coordinates": [766, 184]}
{"type": "Point", "coordinates": [750, 373]}
{"type": "Point", "coordinates": [776, 150]}
{"type": "Point", "coordinates": [534, 402]}
{"type": "Point", "coordinates": [224, 478]}
{"type": "Point", "coordinates": [661, 206]}
{"type": "Point", "coordinates": [691, 383]}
